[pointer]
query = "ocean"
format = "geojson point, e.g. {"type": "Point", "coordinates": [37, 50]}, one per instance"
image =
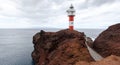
{"type": "Point", "coordinates": [16, 44]}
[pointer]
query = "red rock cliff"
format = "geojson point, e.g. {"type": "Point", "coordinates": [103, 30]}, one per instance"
{"type": "Point", "coordinates": [64, 47]}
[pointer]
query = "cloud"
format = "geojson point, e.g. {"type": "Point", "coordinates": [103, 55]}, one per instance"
{"type": "Point", "coordinates": [94, 3]}
{"type": "Point", "coordinates": [100, 17]}
{"type": "Point", "coordinates": [52, 13]}
{"type": "Point", "coordinates": [101, 2]}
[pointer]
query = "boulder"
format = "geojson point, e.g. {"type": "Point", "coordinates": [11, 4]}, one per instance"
{"type": "Point", "coordinates": [108, 42]}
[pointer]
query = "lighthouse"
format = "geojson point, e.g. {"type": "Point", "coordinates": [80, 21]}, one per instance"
{"type": "Point", "coordinates": [71, 14]}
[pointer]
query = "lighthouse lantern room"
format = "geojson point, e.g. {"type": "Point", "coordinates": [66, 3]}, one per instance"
{"type": "Point", "coordinates": [71, 14]}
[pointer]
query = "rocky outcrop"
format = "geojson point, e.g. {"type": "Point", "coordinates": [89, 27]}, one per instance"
{"type": "Point", "coordinates": [64, 47]}
{"type": "Point", "coordinates": [111, 60]}
{"type": "Point", "coordinates": [68, 47]}
{"type": "Point", "coordinates": [108, 42]}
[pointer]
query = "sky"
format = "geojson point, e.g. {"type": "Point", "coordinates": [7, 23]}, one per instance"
{"type": "Point", "coordinates": [52, 13]}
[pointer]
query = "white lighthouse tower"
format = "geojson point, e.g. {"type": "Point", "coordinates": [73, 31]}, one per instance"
{"type": "Point", "coordinates": [71, 14]}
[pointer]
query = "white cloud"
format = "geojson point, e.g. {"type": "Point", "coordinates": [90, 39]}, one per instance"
{"type": "Point", "coordinates": [52, 13]}
{"type": "Point", "coordinates": [98, 17]}
{"type": "Point", "coordinates": [8, 8]}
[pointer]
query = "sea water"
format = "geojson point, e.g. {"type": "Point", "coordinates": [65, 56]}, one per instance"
{"type": "Point", "coordinates": [16, 44]}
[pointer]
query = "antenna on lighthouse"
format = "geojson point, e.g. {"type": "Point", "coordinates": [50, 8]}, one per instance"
{"type": "Point", "coordinates": [71, 14]}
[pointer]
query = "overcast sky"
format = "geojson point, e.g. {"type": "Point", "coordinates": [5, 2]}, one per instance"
{"type": "Point", "coordinates": [52, 13]}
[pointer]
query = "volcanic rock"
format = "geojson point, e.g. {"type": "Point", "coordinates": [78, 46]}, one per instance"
{"type": "Point", "coordinates": [108, 42]}
{"type": "Point", "coordinates": [64, 47]}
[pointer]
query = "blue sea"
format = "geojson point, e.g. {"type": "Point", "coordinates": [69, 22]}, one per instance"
{"type": "Point", "coordinates": [16, 44]}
